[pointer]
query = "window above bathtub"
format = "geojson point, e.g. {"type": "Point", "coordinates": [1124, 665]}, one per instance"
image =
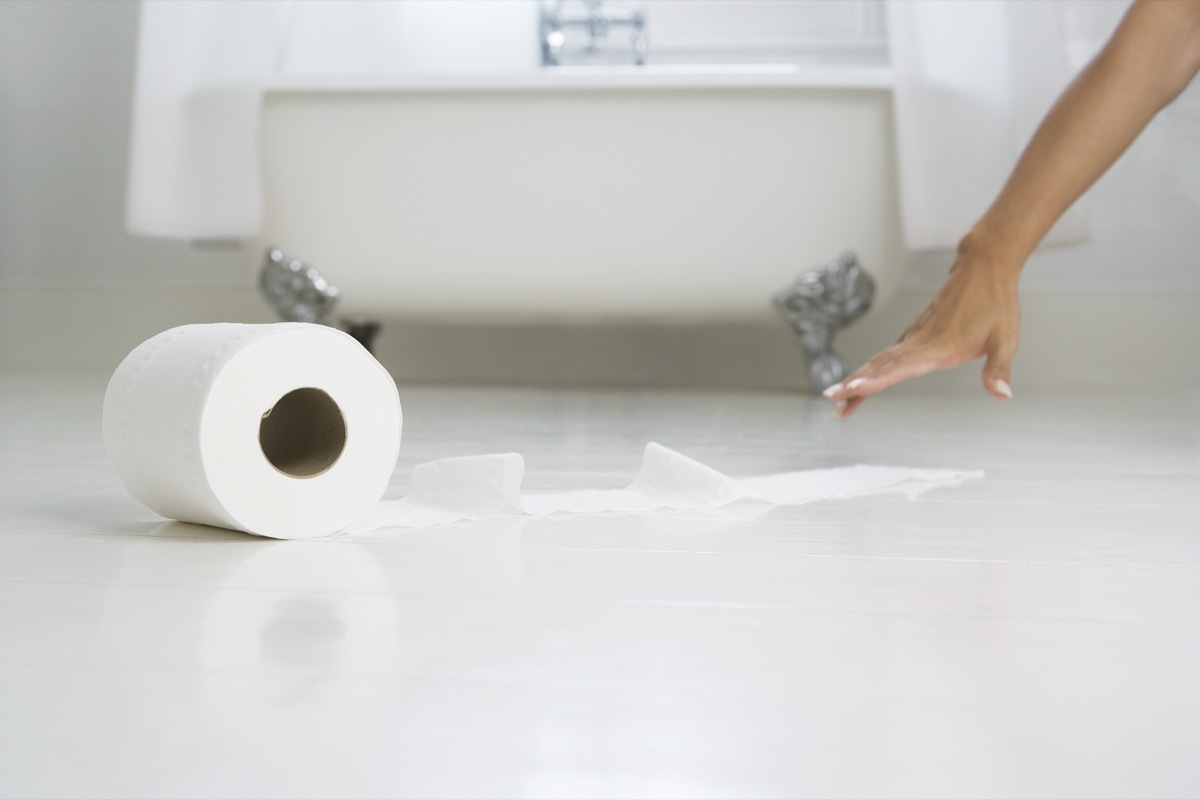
{"type": "Point", "coordinates": [329, 39]}
{"type": "Point", "coordinates": [711, 32]}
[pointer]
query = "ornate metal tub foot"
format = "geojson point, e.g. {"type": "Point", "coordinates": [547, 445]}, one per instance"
{"type": "Point", "coordinates": [817, 304]}
{"type": "Point", "coordinates": [298, 293]}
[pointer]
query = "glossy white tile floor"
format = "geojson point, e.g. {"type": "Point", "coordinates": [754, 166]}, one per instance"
{"type": "Point", "coordinates": [1036, 634]}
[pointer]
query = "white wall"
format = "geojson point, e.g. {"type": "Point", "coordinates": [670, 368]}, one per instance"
{"type": "Point", "coordinates": [76, 291]}
{"type": "Point", "coordinates": [66, 72]}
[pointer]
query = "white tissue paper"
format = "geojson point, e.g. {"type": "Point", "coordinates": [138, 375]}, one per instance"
{"type": "Point", "coordinates": [289, 430]}
{"type": "Point", "coordinates": [477, 487]}
{"type": "Point", "coordinates": [292, 431]}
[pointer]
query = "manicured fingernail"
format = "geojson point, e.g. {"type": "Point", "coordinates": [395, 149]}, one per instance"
{"type": "Point", "coordinates": [1001, 386]}
{"type": "Point", "coordinates": [854, 384]}
{"type": "Point", "coordinates": [841, 409]}
{"type": "Point", "coordinates": [832, 390]}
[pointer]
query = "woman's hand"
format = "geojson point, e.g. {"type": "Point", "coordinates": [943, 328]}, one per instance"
{"type": "Point", "coordinates": [975, 314]}
{"type": "Point", "coordinates": [1152, 56]}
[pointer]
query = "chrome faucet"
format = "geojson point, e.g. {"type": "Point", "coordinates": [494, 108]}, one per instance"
{"type": "Point", "coordinates": [596, 18]}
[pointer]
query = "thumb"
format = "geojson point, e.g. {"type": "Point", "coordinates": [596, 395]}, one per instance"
{"type": "Point", "coordinates": [997, 372]}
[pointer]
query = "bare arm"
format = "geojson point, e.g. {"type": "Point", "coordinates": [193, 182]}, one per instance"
{"type": "Point", "coordinates": [1151, 57]}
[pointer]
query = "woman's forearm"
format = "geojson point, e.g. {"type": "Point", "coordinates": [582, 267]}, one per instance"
{"type": "Point", "coordinates": [976, 313]}
{"type": "Point", "coordinates": [1150, 58]}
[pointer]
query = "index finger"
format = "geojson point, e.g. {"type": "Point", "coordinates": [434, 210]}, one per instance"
{"type": "Point", "coordinates": [841, 391]}
{"type": "Point", "coordinates": [872, 379]}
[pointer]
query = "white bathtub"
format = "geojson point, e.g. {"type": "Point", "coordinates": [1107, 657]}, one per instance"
{"type": "Point", "coordinates": [582, 194]}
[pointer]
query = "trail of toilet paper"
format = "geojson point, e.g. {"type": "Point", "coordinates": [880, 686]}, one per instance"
{"type": "Point", "coordinates": [479, 487]}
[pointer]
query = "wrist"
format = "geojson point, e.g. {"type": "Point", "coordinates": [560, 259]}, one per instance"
{"type": "Point", "coordinates": [980, 250]}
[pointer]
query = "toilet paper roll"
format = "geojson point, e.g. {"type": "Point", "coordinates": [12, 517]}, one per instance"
{"type": "Point", "coordinates": [289, 430]}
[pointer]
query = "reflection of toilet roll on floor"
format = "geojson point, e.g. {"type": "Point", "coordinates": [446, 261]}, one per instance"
{"type": "Point", "coordinates": [292, 431]}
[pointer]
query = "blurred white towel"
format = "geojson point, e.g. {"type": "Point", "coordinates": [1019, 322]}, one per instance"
{"type": "Point", "coordinates": [193, 161]}
{"type": "Point", "coordinates": [972, 82]}
{"type": "Point", "coordinates": [203, 65]}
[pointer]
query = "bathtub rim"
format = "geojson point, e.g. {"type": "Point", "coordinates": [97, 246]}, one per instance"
{"type": "Point", "coordinates": [749, 76]}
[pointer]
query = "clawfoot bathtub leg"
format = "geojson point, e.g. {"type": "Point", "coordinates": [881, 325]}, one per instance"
{"type": "Point", "coordinates": [294, 289]}
{"type": "Point", "coordinates": [298, 293]}
{"type": "Point", "coordinates": [817, 304]}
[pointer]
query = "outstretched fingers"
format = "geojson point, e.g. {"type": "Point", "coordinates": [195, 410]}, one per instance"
{"type": "Point", "coordinates": [859, 378]}
{"type": "Point", "coordinates": [894, 365]}
{"type": "Point", "coordinates": [904, 361]}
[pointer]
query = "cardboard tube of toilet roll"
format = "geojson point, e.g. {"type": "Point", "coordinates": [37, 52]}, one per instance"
{"type": "Point", "coordinates": [289, 430]}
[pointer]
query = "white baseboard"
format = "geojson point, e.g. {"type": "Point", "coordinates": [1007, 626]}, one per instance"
{"type": "Point", "coordinates": [58, 328]}
{"type": "Point", "coordinates": [1078, 339]}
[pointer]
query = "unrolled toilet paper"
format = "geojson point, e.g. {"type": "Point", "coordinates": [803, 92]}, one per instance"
{"type": "Point", "coordinates": [477, 487]}
{"type": "Point", "coordinates": [292, 431]}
